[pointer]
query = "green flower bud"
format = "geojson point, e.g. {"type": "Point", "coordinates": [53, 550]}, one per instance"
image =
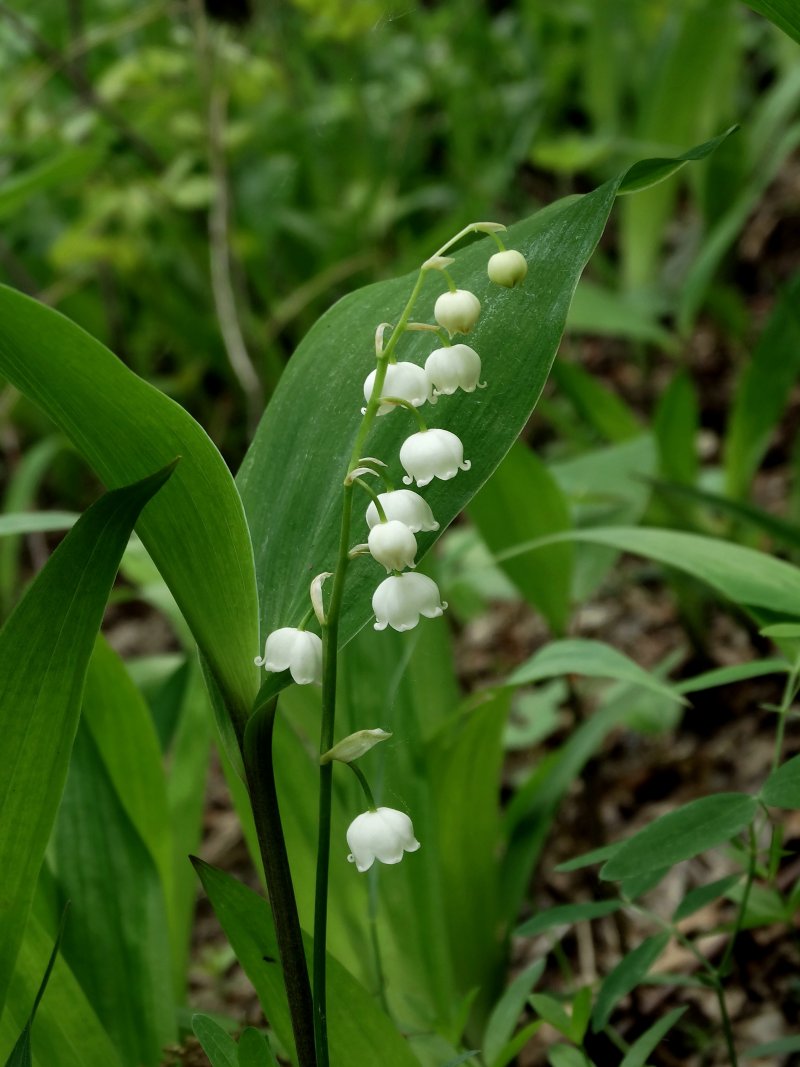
{"type": "Point", "coordinates": [508, 268]}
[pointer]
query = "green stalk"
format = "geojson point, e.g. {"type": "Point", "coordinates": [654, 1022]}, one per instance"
{"type": "Point", "coordinates": [257, 754]}
{"type": "Point", "coordinates": [330, 648]}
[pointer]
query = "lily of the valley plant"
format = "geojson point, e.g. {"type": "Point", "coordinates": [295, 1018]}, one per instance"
{"type": "Point", "coordinates": [393, 518]}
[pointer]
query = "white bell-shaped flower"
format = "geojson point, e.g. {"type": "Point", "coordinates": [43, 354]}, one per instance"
{"type": "Point", "coordinates": [296, 650]}
{"type": "Point", "coordinates": [507, 268]}
{"type": "Point", "coordinates": [456, 367]}
{"type": "Point", "coordinates": [407, 507]}
{"type": "Point", "coordinates": [432, 454]}
{"type": "Point", "coordinates": [393, 544]}
{"type": "Point", "coordinates": [457, 311]}
{"type": "Point", "coordinates": [384, 834]}
{"type": "Point", "coordinates": [404, 380]}
{"type": "Point", "coordinates": [400, 600]}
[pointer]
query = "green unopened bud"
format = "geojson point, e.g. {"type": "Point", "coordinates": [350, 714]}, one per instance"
{"type": "Point", "coordinates": [508, 268]}
{"type": "Point", "coordinates": [354, 746]}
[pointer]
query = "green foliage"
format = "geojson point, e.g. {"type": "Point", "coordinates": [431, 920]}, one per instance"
{"type": "Point", "coordinates": [628, 973]}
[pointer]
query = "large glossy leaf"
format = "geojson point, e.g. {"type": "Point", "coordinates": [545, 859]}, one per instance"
{"type": "Point", "coordinates": [21, 1053]}
{"type": "Point", "coordinates": [784, 13]}
{"type": "Point", "coordinates": [118, 910]}
{"type": "Point", "coordinates": [125, 428]}
{"type": "Point", "coordinates": [44, 653]}
{"type": "Point", "coordinates": [292, 476]}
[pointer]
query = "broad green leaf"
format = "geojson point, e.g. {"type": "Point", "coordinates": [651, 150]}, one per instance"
{"type": "Point", "coordinates": [254, 1050]}
{"type": "Point", "coordinates": [628, 973]}
{"type": "Point", "coordinates": [763, 392]}
{"type": "Point", "coordinates": [516, 1044]}
{"type": "Point", "coordinates": [637, 1054]}
{"type": "Point", "coordinates": [118, 911]}
{"type": "Point", "coordinates": [593, 659]}
{"type": "Point", "coordinates": [745, 576]}
{"type": "Point", "coordinates": [681, 834]}
{"type": "Point", "coordinates": [508, 1009]}
{"type": "Point", "coordinates": [704, 894]}
{"type": "Point", "coordinates": [44, 652]}
{"type": "Point", "coordinates": [357, 1027]}
{"type": "Point", "coordinates": [784, 13]}
{"type": "Point", "coordinates": [521, 500]}
{"type": "Point", "coordinates": [125, 428]}
{"type": "Point", "coordinates": [551, 1010]}
{"type": "Point", "coordinates": [67, 1031]}
{"type": "Point", "coordinates": [217, 1043]}
{"type": "Point", "coordinates": [588, 859]}
{"type": "Point", "coordinates": [782, 788]}
{"type": "Point", "coordinates": [738, 672]}
{"type": "Point", "coordinates": [291, 477]}
{"type": "Point", "coordinates": [21, 1053]}
{"type": "Point", "coordinates": [567, 1056]}
{"type": "Point", "coordinates": [675, 426]}
{"type": "Point", "coordinates": [567, 914]}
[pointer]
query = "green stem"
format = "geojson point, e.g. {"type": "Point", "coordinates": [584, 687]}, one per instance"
{"type": "Point", "coordinates": [257, 754]}
{"type": "Point", "coordinates": [401, 402]}
{"type": "Point", "coordinates": [364, 785]}
{"type": "Point", "coordinates": [375, 498]}
{"type": "Point", "coordinates": [789, 693]}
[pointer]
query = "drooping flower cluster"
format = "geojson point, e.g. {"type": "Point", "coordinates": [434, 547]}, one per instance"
{"type": "Point", "coordinates": [396, 516]}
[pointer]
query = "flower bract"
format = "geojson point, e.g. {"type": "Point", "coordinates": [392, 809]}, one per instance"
{"type": "Point", "coordinates": [404, 380]}
{"type": "Point", "coordinates": [457, 311]}
{"type": "Point", "coordinates": [392, 544]}
{"type": "Point", "coordinates": [400, 600]}
{"type": "Point", "coordinates": [296, 650]}
{"type": "Point", "coordinates": [456, 367]}
{"type": "Point", "coordinates": [431, 454]}
{"type": "Point", "coordinates": [406, 506]}
{"type": "Point", "coordinates": [384, 835]}
{"type": "Point", "coordinates": [507, 268]}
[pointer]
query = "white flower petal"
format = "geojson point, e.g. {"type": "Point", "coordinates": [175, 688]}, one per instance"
{"type": "Point", "coordinates": [404, 380]}
{"type": "Point", "coordinates": [393, 544]}
{"type": "Point", "coordinates": [384, 835]}
{"type": "Point", "coordinates": [406, 506]}
{"type": "Point", "coordinates": [458, 311]}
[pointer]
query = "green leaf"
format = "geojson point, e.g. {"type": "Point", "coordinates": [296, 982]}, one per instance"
{"type": "Point", "coordinates": [607, 313]}
{"type": "Point", "coordinates": [291, 477]}
{"type": "Point", "coordinates": [736, 673]}
{"type": "Point", "coordinates": [763, 392]}
{"type": "Point", "coordinates": [36, 522]}
{"type": "Point", "coordinates": [551, 1010]}
{"type": "Point", "coordinates": [60, 170]}
{"type": "Point", "coordinates": [628, 973]}
{"type": "Point", "coordinates": [675, 425]}
{"type": "Point", "coordinates": [217, 1043]}
{"type": "Point", "coordinates": [681, 834]}
{"type": "Point", "coordinates": [21, 1053]}
{"type": "Point", "coordinates": [195, 531]}
{"type": "Point", "coordinates": [593, 659]}
{"type": "Point", "coordinates": [773, 1048]}
{"type": "Point", "coordinates": [44, 653]}
{"type": "Point", "coordinates": [254, 1050]}
{"type": "Point", "coordinates": [356, 1025]}
{"type": "Point", "coordinates": [597, 855]}
{"type": "Point", "coordinates": [566, 914]}
{"type": "Point", "coordinates": [637, 1054]}
{"type": "Point", "coordinates": [747, 577]}
{"type": "Point", "coordinates": [522, 500]}
{"type": "Point", "coordinates": [95, 847]}
{"type": "Point", "coordinates": [516, 1044]}
{"type": "Point", "coordinates": [782, 788]}
{"type": "Point", "coordinates": [704, 894]}
{"type": "Point", "coordinates": [602, 409]}
{"type": "Point", "coordinates": [508, 1009]}
{"type": "Point", "coordinates": [567, 1056]}
{"type": "Point", "coordinates": [784, 13]}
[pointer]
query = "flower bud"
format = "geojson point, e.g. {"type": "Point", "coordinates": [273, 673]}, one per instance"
{"type": "Point", "coordinates": [507, 268]}
{"type": "Point", "coordinates": [392, 544]}
{"type": "Point", "coordinates": [458, 311]}
{"type": "Point", "coordinates": [382, 835]}
{"type": "Point", "coordinates": [296, 650]}
{"type": "Point", "coordinates": [404, 380]}
{"type": "Point", "coordinates": [431, 454]}
{"type": "Point", "coordinates": [400, 600]}
{"type": "Point", "coordinates": [354, 746]}
{"type": "Point", "coordinates": [456, 367]}
{"type": "Point", "coordinates": [406, 506]}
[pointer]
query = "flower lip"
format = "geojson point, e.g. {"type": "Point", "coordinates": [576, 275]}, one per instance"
{"type": "Point", "coordinates": [454, 367]}
{"type": "Point", "coordinates": [404, 380]}
{"type": "Point", "coordinates": [295, 650]}
{"type": "Point", "coordinates": [401, 599]}
{"type": "Point", "coordinates": [384, 835]}
{"type": "Point", "coordinates": [407, 506]}
{"type": "Point", "coordinates": [431, 454]}
{"type": "Point", "coordinates": [457, 311]}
